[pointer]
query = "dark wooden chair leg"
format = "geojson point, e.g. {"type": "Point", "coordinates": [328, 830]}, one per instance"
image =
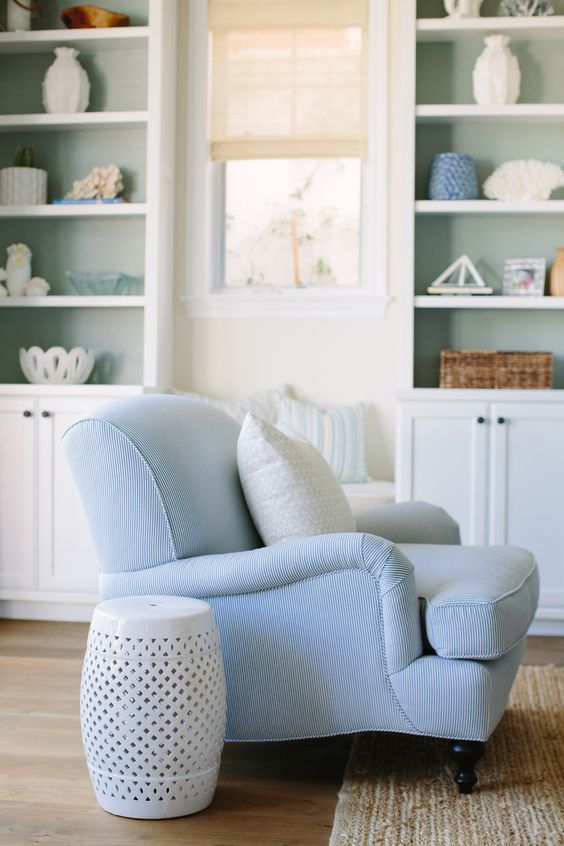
{"type": "Point", "coordinates": [466, 754]}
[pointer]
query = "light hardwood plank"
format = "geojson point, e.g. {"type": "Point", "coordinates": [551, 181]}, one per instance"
{"type": "Point", "coordinates": [280, 794]}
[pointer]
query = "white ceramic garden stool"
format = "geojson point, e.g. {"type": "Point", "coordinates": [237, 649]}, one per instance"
{"type": "Point", "coordinates": [153, 706]}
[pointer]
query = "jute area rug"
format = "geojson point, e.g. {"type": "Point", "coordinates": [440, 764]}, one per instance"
{"type": "Point", "coordinates": [398, 790]}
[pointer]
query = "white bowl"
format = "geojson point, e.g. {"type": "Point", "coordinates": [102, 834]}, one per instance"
{"type": "Point", "coordinates": [56, 366]}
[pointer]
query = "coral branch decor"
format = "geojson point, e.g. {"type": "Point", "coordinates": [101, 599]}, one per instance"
{"type": "Point", "coordinates": [523, 181]}
{"type": "Point", "coordinates": [102, 183]}
{"type": "Point", "coordinates": [525, 8]}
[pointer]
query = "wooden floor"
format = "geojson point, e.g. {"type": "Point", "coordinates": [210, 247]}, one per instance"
{"type": "Point", "coordinates": [268, 794]}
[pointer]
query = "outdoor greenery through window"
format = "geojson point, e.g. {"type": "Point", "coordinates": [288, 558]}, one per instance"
{"type": "Point", "coordinates": [292, 222]}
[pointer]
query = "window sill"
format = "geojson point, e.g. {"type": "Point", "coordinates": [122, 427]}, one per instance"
{"type": "Point", "coordinates": [286, 304]}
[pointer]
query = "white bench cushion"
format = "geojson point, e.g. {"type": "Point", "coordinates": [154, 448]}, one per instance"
{"type": "Point", "coordinates": [364, 496]}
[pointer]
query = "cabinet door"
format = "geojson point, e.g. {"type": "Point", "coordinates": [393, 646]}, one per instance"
{"type": "Point", "coordinates": [66, 556]}
{"type": "Point", "coordinates": [18, 538]}
{"type": "Point", "coordinates": [527, 490]}
{"type": "Point", "coordinates": [442, 459]}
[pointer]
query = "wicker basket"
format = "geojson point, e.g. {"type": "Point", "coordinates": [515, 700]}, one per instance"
{"type": "Point", "coordinates": [491, 369]}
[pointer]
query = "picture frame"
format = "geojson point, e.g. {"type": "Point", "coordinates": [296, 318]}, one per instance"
{"type": "Point", "coordinates": [524, 277]}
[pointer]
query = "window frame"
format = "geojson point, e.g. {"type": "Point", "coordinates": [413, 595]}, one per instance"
{"type": "Point", "coordinates": [205, 295]}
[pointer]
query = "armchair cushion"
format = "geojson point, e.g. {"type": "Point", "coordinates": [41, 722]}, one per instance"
{"type": "Point", "coordinates": [290, 489]}
{"type": "Point", "coordinates": [476, 602]}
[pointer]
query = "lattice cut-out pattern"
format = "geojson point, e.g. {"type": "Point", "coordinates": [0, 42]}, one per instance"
{"type": "Point", "coordinates": [153, 720]}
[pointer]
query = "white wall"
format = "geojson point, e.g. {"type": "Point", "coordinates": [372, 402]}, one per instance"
{"type": "Point", "coordinates": [329, 362]}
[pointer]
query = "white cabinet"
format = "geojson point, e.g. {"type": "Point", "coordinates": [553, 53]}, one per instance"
{"type": "Point", "coordinates": [527, 490]}
{"type": "Point", "coordinates": [47, 561]}
{"type": "Point", "coordinates": [66, 559]}
{"type": "Point", "coordinates": [18, 472]}
{"type": "Point", "coordinates": [442, 456]}
{"type": "Point", "coordinates": [498, 467]}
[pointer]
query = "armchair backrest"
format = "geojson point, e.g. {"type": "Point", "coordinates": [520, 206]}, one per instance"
{"type": "Point", "coordinates": [157, 477]}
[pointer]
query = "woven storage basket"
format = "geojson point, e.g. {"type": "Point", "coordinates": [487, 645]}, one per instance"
{"type": "Point", "coordinates": [491, 369]}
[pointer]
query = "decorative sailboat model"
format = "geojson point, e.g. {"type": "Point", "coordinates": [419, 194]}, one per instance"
{"type": "Point", "coordinates": [461, 277]}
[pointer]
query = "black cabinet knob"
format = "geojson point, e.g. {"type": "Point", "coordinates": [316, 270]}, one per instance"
{"type": "Point", "coordinates": [27, 413]}
{"type": "Point", "coordinates": [45, 414]}
{"type": "Point", "coordinates": [481, 420]}
{"type": "Point", "coordinates": [501, 420]}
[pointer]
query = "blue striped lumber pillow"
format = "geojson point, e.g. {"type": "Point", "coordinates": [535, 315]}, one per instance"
{"type": "Point", "coordinates": [337, 434]}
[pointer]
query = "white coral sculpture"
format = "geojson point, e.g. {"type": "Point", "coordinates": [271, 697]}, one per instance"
{"type": "Point", "coordinates": [104, 182]}
{"type": "Point", "coordinates": [37, 287]}
{"type": "Point", "coordinates": [523, 181]}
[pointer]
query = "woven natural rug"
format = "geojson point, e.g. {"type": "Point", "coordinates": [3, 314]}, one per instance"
{"type": "Point", "coordinates": [398, 789]}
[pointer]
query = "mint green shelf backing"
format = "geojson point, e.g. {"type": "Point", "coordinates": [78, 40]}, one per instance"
{"type": "Point", "coordinates": [67, 155]}
{"type": "Point", "coordinates": [117, 80]}
{"type": "Point", "coordinates": [524, 331]}
{"type": "Point", "coordinates": [115, 244]}
{"type": "Point", "coordinates": [490, 144]}
{"type": "Point", "coordinates": [51, 12]}
{"type": "Point", "coordinates": [489, 241]}
{"type": "Point", "coordinates": [444, 71]}
{"type": "Point", "coordinates": [436, 9]}
{"type": "Point", "coordinates": [115, 334]}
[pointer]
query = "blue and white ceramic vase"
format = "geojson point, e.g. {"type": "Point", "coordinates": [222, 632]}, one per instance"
{"type": "Point", "coordinates": [453, 177]}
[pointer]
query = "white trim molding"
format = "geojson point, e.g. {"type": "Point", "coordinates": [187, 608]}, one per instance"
{"type": "Point", "coordinates": [204, 298]}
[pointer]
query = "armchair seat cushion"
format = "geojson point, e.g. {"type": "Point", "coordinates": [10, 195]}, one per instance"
{"type": "Point", "coordinates": [476, 602]}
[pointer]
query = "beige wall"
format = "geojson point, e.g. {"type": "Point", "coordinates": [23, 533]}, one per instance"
{"type": "Point", "coordinates": [329, 362]}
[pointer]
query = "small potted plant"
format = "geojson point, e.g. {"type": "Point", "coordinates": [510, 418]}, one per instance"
{"type": "Point", "coordinates": [23, 184]}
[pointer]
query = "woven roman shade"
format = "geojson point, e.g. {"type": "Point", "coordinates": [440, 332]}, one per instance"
{"type": "Point", "coordinates": [288, 78]}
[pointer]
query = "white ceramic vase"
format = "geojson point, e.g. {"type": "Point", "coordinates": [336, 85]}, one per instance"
{"type": "Point", "coordinates": [497, 78]}
{"type": "Point", "coordinates": [66, 87]}
{"type": "Point", "coordinates": [23, 186]}
{"type": "Point", "coordinates": [463, 8]}
{"type": "Point", "coordinates": [17, 19]}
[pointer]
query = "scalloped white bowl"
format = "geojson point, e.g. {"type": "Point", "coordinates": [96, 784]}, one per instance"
{"type": "Point", "coordinates": [56, 366]}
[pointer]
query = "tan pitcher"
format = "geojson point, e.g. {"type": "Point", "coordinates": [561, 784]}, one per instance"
{"type": "Point", "coordinates": [556, 287]}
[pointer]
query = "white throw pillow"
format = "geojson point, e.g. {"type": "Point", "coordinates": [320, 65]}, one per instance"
{"type": "Point", "coordinates": [337, 434]}
{"type": "Point", "coordinates": [264, 404]}
{"type": "Point", "coordinates": [291, 491]}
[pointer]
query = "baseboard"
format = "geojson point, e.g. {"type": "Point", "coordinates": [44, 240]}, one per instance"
{"type": "Point", "coordinates": [68, 612]}
{"type": "Point", "coordinates": [547, 628]}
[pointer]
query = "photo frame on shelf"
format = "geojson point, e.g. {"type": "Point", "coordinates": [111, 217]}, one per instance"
{"type": "Point", "coordinates": [524, 277]}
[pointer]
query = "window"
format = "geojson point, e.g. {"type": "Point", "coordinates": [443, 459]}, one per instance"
{"type": "Point", "coordinates": [292, 222]}
{"type": "Point", "coordinates": [282, 189]}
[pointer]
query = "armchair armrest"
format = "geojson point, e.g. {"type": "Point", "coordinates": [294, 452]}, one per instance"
{"type": "Point", "coordinates": [410, 522]}
{"type": "Point", "coordinates": [375, 565]}
{"type": "Point", "coordinates": [266, 568]}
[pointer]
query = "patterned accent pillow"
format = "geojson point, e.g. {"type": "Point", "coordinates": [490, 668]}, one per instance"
{"type": "Point", "coordinates": [290, 490]}
{"type": "Point", "coordinates": [264, 404]}
{"type": "Point", "coordinates": [337, 434]}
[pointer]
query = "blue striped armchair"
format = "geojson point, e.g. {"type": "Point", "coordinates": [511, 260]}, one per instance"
{"type": "Point", "coordinates": [393, 628]}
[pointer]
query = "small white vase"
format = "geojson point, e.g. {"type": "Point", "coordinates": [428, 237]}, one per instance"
{"type": "Point", "coordinates": [17, 19]}
{"type": "Point", "coordinates": [463, 8]}
{"type": "Point", "coordinates": [23, 186]}
{"type": "Point", "coordinates": [497, 78]}
{"type": "Point", "coordinates": [66, 87]}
